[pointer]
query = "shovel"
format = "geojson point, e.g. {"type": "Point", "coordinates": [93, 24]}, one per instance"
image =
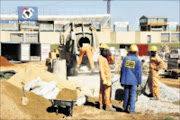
{"type": "Point", "coordinates": [24, 98]}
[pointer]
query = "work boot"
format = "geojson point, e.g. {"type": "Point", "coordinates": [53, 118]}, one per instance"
{"type": "Point", "coordinates": [154, 98]}
{"type": "Point", "coordinates": [131, 112]}
{"type": "Point", "coordinates": [150, 95]}
{"type": "Point", "coordinates": [124, 110]}
{"type": "Point", "coordinates": [111, 109]}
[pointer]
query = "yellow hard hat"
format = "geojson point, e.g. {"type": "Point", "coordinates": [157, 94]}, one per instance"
{"type": "Point", "coordinates": [153, 48]}
{"type": "Point", "coordinates": [133, 48]}
{"type": "Point", "coordinates": [103, 45]}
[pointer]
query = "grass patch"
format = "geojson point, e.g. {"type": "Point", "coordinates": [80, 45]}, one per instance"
{"type": "Point", "coordinates": [169, 118]}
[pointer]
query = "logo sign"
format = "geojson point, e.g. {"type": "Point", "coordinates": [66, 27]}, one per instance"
{"type": "Point", "coordinates": [27, 13]}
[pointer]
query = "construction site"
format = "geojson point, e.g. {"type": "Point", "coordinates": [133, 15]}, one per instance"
{"type": "Point", "coordinates": [51, 67]}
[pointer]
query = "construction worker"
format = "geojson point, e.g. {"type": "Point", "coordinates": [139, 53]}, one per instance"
{"type": "Point", "coordinates": [131, 78]}
{"type": "Point", "coordinates": [105, 78]}
{"type": "Point", "coordinates": [154, 66]}
{"type": "Point", "coordinates": [89, 51]}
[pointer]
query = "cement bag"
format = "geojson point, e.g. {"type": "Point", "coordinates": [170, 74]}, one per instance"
{"type": "Point", "coordinates": [33, 84]}
{"type": "Point", "coordinates": [59, 67]}
{"type": "Point", "coordinates": [81, 100]}
{"type": "Point", "coordinates": [37, 90]}
{"type": "Point", "coordinates": [52, 94]}
{"type": "Point", "coordinates": [50, 86]}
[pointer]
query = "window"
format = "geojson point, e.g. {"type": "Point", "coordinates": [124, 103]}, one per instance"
{"type": "Point", "coordinates": [175, 37]}
{"type": "Point", "coordinates": [32, 38]}
{"type": "Point", "coordinates": [148, 38]}
{"type": "Point", "coordinates": [9, 27]}
{"type": "Point", "coordinates": [165, 37]}
{"type": "Point", "coordinates": [16, 37]}
{"type": "Point", "coordinates": [46, 27]}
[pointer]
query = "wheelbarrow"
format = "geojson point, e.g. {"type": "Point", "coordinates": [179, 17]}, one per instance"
{"type": "Point", "coordinates": [59, 103]}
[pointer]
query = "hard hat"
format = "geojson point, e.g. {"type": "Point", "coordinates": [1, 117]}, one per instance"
{"type": "Point", "coordinates": [103, 45]}
{"type": "Point", "coordinates": [153, 48]}
{"type": "Point", "coordinates": [133, 48]}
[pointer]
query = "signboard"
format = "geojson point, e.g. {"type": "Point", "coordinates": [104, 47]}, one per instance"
{"type": "Point", "coordinates": [45, 49]}
{"type": "Point", "coordinates": [121, 24]}
{"type": "Point", "coordinates": [27, 13]}
{"type": "Point", "coordinates": [9, 21]}
{"type": "Point", "coordinates": [17, 22]}
{"type": "Point", "coordinates": [25, 52]}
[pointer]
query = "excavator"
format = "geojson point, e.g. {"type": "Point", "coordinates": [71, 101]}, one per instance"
{"type": "Point", "coordinates": [71, 40]}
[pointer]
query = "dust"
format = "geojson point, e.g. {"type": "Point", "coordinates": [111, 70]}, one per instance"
{"type": "Point", "coordinates": [67, 94]}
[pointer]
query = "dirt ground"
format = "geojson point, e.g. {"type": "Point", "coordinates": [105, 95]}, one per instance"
{"type": "Point", "coordinates": [40, 108]}
{"type": "Point", "coordinates": [171, 82]}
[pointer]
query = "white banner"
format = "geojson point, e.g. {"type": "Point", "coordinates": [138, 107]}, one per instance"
{"type": "Point", "coordinates": [45, 49]}
{"type": "Point", "coordinates": [121, 24]}
{"type": "Point", "coordinates": [25, 52]}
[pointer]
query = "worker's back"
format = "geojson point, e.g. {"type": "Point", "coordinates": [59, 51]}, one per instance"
{"type": "Point", "coordinates": [131, 71]}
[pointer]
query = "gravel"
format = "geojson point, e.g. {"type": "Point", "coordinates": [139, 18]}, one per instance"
{"type": "Point", "coordinates": [166, 104]}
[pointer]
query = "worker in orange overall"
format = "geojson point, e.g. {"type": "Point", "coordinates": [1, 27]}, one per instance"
{"type": "Point", "coordinates": [105, 78]}
{"type": "Point", "coordinates": [154, 66]}
{"type": "Point", "coordinates": [89, 51]}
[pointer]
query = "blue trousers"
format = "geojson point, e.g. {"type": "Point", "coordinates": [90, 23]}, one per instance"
{"type": "Point", "coordinates": [130, 97]}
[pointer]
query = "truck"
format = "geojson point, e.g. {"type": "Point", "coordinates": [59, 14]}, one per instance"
{"type": "Point", "coordinates": [173, 64]}
{"type": "Point", "coordinates": [71, 40]}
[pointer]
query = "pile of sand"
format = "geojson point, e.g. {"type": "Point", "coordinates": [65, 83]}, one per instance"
{"type": "Point", "coordinates": [12, 108]}
{"type": "Point", "coordinates": [67, 94]}
{"type": "Point", "coordinates": [31, 72]}
{"type": "Point", "coordinates": [4, 62]}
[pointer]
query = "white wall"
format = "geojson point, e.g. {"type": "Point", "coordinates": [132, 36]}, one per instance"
{"type": "Point", "coordinates": [49, 37]}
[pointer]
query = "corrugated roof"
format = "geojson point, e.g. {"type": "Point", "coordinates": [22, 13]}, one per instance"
{"type": "Point", "coordinates": [153, 16]}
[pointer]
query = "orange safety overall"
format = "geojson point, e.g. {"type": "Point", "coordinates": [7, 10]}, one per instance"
{"type": "Point", "coordinates": [155, 65]}
{"type": "Point", "coordinates": [89, 51]}
{"type": "Point", "coordinates": [105, 90]}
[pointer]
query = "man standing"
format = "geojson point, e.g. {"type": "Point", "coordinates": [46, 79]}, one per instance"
{"type": "Point", "coordinates": [154, 66]}
{"type": "Point", "coordinates": [105, 78]}
{"type": "Point", "coordinates": [131, 77]}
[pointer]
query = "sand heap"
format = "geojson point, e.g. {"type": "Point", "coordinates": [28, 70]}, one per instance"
{"type": "Point", "coordinates": [12, 108]}
{"type": "Point", "coordinates": [67, 94]}
{"type": "Point", "coordinates": [31, 72]}
{"type": "Point", "coordinates": [4, 62]}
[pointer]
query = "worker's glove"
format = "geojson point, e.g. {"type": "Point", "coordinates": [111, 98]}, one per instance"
{"type": "Point", "coordinates": [108, 83]}
{"type": "Point", "coordinates": [138, 87]}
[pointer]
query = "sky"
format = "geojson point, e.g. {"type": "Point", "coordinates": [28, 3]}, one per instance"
{"type": "Point", "coordinates": [121, 10]}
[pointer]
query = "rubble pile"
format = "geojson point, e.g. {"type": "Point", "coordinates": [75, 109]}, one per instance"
{"type": "Point", "coordinates": [32, 72]}
{"type": "Point", "coordinates": [4, 62]}
{"type": "Point", "coordinates": [13, 109]}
